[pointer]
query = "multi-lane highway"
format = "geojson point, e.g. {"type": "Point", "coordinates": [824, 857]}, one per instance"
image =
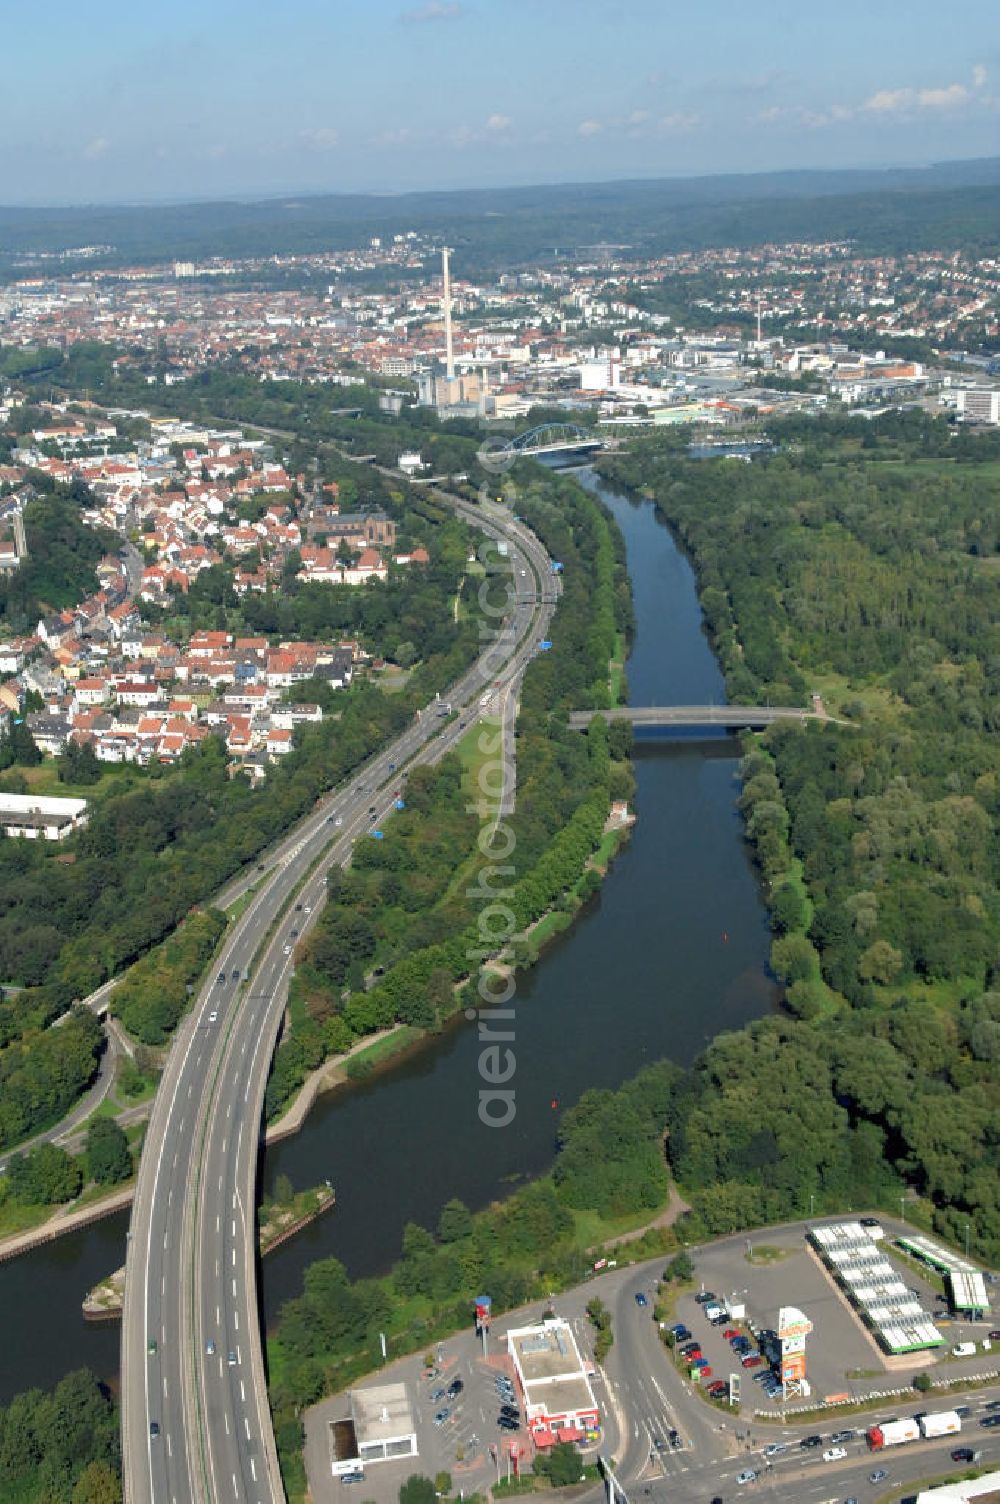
{"type": "Point", "coordinates": [195, 1419]}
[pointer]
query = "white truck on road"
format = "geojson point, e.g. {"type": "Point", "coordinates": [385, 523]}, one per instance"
{"type": "Point", "coordinates": [893, 1432]}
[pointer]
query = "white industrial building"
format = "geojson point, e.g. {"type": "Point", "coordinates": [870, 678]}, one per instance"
{"type": "Point", "coordinates": [979, 404]}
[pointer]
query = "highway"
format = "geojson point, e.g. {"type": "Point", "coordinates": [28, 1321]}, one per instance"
{"type": "Point", "coordinates": [195, 1418]}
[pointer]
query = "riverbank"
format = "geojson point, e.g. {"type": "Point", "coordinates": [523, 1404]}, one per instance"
{"type": "Point", "coordinates": [276, 1225]}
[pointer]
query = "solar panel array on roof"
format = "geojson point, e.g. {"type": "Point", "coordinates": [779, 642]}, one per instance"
{"type": "Point", "coordinates": [968, 1287]}
{"type": "Point", "coordinates": [874, 1287]}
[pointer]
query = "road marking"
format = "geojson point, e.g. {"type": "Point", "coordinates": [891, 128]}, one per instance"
{"type": "Point", "coordinates": [216, 1268]}
{"type": "Point", "coordinates": [163, 1285]}
{"type": "Point", "coordinates": [225, 1142]}
{"type": "Point", "coordinates": [170, 1447]}
{"type": "Point", "coordinates": [246, 1422]}
{"type": "Point", "coordinates": [181, 1127]}
{"type": "Point", "coordinates": [236, 1320]}
{"type": "Point", "coordinates": [243, 1393]}
{"type": "Point", "coordinates": [191, 1088]}
{"type": "Point", "coordinates": [217, 1309]}
{"type": "Point", "coordinates": [234, 1287]}
{"type": "Point", "coordinates": [235, 1493]}
{"type": "Point", "coordinates": [174, 1166]}
{"type": "Point", "coordinates": [164, 1386]}
{"type": "Point", "coordinates": [234, 1258]}
{"type": "Point", "coordinates": [234, 1227]}
{"type": "Point", "coordinates": [170, 1196]}
{"type": "Point", "coordinates": [218, 1221]}
{"type": "Point", "coordinates": [225, 1417]}
{"type": "Point", "coordinates": [253, 1470]}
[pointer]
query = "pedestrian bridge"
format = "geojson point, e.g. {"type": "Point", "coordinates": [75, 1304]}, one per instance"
{"type": "Point", "coordinates": [730, 717]}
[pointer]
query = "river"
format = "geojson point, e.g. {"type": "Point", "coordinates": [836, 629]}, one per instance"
{"type": "Point", "coordinates": [671, 951]}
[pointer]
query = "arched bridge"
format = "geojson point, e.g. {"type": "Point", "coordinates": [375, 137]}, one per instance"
{"type": "Point", "coordinates": [730, 717]}
{"type": "Point", "coordinates": [555, 438]}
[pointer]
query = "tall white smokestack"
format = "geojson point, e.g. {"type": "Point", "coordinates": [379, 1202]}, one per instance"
{"type": "Point", "coordinates": [449, 353]}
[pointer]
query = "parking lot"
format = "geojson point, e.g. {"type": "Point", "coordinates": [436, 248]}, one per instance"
{"type": "Point", "coordinates": [837, 1348]}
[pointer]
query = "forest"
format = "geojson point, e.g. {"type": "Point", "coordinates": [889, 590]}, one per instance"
{"type": "Point", "coordinates": [860, 563]}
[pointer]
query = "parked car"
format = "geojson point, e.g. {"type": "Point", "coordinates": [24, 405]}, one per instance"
{"type": "Point", "coordinates": [455, 1388]}
{"type": "Point", "coordinates": [508, 1425]}
{"type": "Point", "coordinates": [691, 1348]}
{"type": "Point", "coordinates": [751, 1360]}
{"type": "Point", "coordinates": [995, 1336]}
{"type": "Point", "coordinates": [705, 1373]}
{"type": "Point", "coordinates": [437, 1395]}
{"type": "Point", "coordinates": [705, 1297]}
{"type": "Point", "coordinates": [682, 1333]}
{"type": "Point", "coordinates": [441, 1416]}
{"type": "Point", "coordinates": [731, 1332]}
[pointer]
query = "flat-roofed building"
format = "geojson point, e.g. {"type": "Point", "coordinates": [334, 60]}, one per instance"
{"type": "Point", "coordinates": [378, 1428]}
{"type": "Point", "coordinates": [559, 1402]}
{"type": "Point", "coordinates": [38, 819]}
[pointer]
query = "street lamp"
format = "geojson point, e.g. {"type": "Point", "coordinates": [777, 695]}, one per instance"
{"type": "Point", "coordinates": [966, 1240]}
{"type": "Point", "coordinates": [902, 1208]}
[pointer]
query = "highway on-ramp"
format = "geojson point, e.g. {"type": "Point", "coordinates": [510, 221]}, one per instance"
{"type": "Point", "coordinates": [196, 1424]}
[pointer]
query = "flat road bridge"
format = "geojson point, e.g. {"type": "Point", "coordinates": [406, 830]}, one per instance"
{"type": "Point", "coordinates": [730, 717]}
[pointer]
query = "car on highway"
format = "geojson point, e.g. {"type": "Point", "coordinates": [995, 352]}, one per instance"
{"type": "Point", "coordinates": [878, 1476]}
{"type": "Point", "coordinates": [298, 908]}
{"type": "Point", "coordinates": [231, 1358]}
{"type": "Point", "coordinates": [213, 1017]}
{"type": "Point", "coordinates": [441, 1416]}
{"type": "Point", "coordinates": [839, 1437]}
{"type": "Point", "coordinates": [751, 1360]}
{"type": "Point", "coordinates": [640, 1299]}
{"type": "Point", "coordinates": [990, 1421]}
{"type": "Point", "coordinates": [154, 1428]}
{"type": "Point", "coordinates": [965, 1454]}
{"type": "Point", "coordinates": [808, 1442]}
{"type": "Point", "coordinates": [747, 1476]}
{"type": "Point", "coordinates": [992, 1405]}
{"type": "Point", "coordinates": [995, 1336]}
{"type": "Point", "coordinates": [775, 1448]}
{"type": "Point", "coordinates": [674, 1437]}
{"type": "Point", "coordinates": [151, 1347]}
{"type": "Point", "coordinates": [210, 1349]}
{"type": "Point", "coordinates": [221, 979]}
{"type": "Point", "coordinates": [834, 1454]}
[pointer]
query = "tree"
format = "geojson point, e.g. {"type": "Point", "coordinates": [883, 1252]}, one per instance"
{"type": "Point", "coordinates": [109, 1159]}
{"type": "Point", "coordinates": [97, 1484]}
{"type": "Point", "coordinates": [455, 1221]}
{"type": "Point", "coordinates": [417, 1490]}
{"type": "Point", "coordinates": [562, 1465]}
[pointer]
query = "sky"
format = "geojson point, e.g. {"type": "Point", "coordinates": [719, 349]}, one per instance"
{"type": "Point", "coordinates": [120, 103]}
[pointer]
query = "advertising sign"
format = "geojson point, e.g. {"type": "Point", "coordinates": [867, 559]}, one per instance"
{"type": "Point", "coordinates": [793, 1369]}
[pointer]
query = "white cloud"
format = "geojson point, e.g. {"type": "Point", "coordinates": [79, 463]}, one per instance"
{"type": "Point", "coordinates": [678, 121]}
{"type": "Point", "coordinates": [888, 101]}
{"type": "Point", "coordinates": [320, 138]}
{"type": "Point", "coordinates": [589, 128]}
{"type": "Point", "coordinates": [979, 76]}
{"type": "Point", "coordinates": [942, 99]}
{"type": "Point", "coordinates": [499, 123]}
{"type": "Point", "coordinates": [99, 146]}
{"type": "Point", "coordinates": [434, 10]}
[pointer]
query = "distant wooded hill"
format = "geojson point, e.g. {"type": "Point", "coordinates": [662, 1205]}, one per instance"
{"type": "Point", "coordinates": [946, 205]}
